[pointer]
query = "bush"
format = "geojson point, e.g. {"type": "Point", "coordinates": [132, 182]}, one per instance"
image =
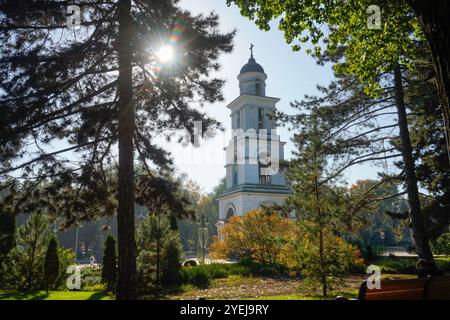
{"type": "Point", "coordinates": [91, 277]}
{"type": "Point", "coordinates": [397, 266]}
{"type": "Point", "coordinates": [339, 258]}
{"type": "Point", "coordinates": [171, 265]}
{"type": "Point", "coordinates": [262, 269]}
{"type": "Point", "coordinates": [217, 271]}
{"type": "Point", "coordinates": [196, 276]}
{"type": "Point", "coordinates": [442, 244]}
{"type": "Point", "coordinates": [258, 235]}
{"type": "Point", "coordinates": [66, 258]}
{"type": "Point", "coordinates": [443, 264]}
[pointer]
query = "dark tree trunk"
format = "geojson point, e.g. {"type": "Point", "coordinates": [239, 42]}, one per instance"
{"type": "Point", "coordinates": [323, 274]}
{"type": "Point", "coordinates": [322, 265]}
{"type": "Point", "coordinates": [415, 214]}
{"type": "Point", "coordinates": [126, 284]}
{"type": "Point", "coordinates": [158, 251]}
{"type": "Point", "coordinates": [434, 17]}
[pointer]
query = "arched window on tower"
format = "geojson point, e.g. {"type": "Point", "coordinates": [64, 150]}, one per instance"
{"type": "Point", "coordinates": [258, 90]}
{"type": "Point", "coordinates": [230, 213]}
{"type": "Point", "coordinates": [264, 166]}
{"type": "Point", "coordinates": [235, 174]}
{"type": "Point", "coordinates": [264, 178]}
{"type": "Point", "coordinates": [260, 118]}
{"type": "Point", "coordinates": [238, 119]}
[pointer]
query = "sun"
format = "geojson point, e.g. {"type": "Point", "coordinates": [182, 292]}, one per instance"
{"type": "Point", "coordinates": [166, 54]}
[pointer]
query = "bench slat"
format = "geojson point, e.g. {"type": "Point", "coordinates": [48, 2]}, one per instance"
{"type": "Point", "coordinates": [438, 288]}
{"type": "Point", "coordinates": [435, 288]}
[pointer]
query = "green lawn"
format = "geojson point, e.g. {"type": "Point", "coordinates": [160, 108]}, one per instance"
{"type": "Point", "coordinates": [55, 295]}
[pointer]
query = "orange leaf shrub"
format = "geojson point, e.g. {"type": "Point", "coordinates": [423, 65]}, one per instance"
{"type": "Point", "coordinates": [260, 236]}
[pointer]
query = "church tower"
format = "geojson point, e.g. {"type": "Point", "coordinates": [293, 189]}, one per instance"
{"type": "Point", "coordinates": [254, 152]}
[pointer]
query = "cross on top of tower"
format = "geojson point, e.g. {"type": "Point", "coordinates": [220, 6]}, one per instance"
{"type": "Point", "coordinates": [251, 50]}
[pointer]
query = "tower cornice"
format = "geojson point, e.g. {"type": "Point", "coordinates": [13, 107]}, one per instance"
{"type": "Point", "coordinates": [260, 101]}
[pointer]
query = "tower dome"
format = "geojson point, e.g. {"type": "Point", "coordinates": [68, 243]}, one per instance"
{"type": "Point", "coordinates": [252, 79]}
{"type": "Point", "coordinates": [252, 66]}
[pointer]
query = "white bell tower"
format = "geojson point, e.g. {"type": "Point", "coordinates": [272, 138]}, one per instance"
{"type": "Point", "coordinates": [254, 152]}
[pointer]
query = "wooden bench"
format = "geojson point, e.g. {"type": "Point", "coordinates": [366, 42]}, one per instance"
{"type": "Point", "coordinates": [431, 288]}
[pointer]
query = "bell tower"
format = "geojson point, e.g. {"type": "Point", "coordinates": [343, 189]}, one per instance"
{"type": "Point", "coordinates": [254, 152]}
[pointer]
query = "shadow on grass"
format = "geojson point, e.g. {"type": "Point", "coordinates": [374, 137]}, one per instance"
{"type": "Point", "coordinates": [38, 295]}
{"type": "Point", "coordinates": [98, 295]}
{"type": "Point", "coordinates": [155, 293]}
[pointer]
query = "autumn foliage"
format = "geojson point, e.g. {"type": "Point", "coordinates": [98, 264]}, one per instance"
{"type": "Point", "coordinates": [272, 239]}
{"type": "Point", "coordinates": [260, 236]}
{"type": "Point", "coordinates": [339, 257]}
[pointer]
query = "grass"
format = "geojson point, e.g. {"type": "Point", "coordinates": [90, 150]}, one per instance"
{"type": "Point", "coordinates": [55, 295]}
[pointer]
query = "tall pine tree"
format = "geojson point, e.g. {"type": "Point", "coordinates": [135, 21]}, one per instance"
{"type": "Point", "coordinates": [363, 129]}
{"type": "Point", "coordinates": [75, 94]}
{"type": "Point", "coordinates": [318, 204]}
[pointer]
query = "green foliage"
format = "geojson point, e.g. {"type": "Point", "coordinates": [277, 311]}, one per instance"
{"type": "Point", "coordinates": [372, 217]}
{"type": "Point", "coordinates": [158, 251]}
{"type": "Point", "coordinates": [36, 261]}
{"type": "Point", "coordinates": [255, 268]}
{"type": "Point", "coordinates": [197, 276]}
{"type": "Point", "coordinates": [28, 256]}
{"type": "Point", "coordinates": [109, 264]}
{"type": "Point", "coordinates": [443, 264]}
{"type": "Point", "coordinates": [397, 265]}
{"type": "Point", "coordinates": [208, 206]}
{"type": "Point", "coordinates": [163, 95]}
{"type": "Point", "coordinates": [320, 205]}
{"type": "Point", "coordinates": [51, 264]}
{"type": "Point", "coordinates": [66, 258]}
{"type": "Point", "coordinates": [171, 264]}
{"type": "Point", "coordinates": [338, 258]}
{"type": "Point", "coordinates": [91, 279]}
{"type": "Point", "coordinates": [442, 244]}
{"type": "Point", "coordinates": [7, 231]}
{"type": "Point", "coordinates": [368, 52]}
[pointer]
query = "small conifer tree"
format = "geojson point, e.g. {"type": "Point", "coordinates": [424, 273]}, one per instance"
{"type": "Point", "coordinates": [51, 264]}
{"type": "Point", "coordinates": [109, 265]}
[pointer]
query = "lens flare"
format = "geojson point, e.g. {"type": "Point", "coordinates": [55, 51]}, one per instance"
{"type": "Point", "coordinates": [166, 54]}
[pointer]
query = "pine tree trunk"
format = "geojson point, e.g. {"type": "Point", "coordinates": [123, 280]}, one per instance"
{"type": "Point", "coordinates": [322, 265]}
{"type": "Point", "coordinates": [126, 285]}
{"type": "Point", "coordinates": [434, 17]}
{"type": "Point", "coordinates": [323, 275]}
{"type": "Point", "coordinates": [158, 250]}
{"type": "Point", "coordinates": [415, 214]}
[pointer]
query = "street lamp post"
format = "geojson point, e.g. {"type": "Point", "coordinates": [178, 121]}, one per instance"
{"type": "Point", "coordinates": [202, 222]}
{"type": "Point", "coordinates": [383, 236]}
{"type": "Point", "coordinates": [77, 232]}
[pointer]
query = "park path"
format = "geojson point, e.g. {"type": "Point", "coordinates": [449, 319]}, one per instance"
{"type": "Point", "coordinates": [248, 287]}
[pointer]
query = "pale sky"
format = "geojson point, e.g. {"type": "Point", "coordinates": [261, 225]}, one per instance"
{"type": "Point", "coordinates": [291, 75]}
